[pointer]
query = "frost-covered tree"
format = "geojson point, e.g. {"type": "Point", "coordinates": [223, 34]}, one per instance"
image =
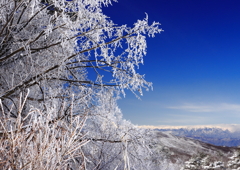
{"type": "Point", "coordinates": [59, 47]}
{"type": "Point", "coordinates": [70, 61]}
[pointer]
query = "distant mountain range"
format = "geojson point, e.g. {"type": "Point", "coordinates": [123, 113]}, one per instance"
{"type": "Point", "coordinates": [215, 136]}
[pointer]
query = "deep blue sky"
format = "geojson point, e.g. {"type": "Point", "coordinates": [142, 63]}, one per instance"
{"type": "Point", "coordinates": [194, 64]}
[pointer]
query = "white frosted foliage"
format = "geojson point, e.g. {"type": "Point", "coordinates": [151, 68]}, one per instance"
{"type": "Point", "coordinates": [63, 65]}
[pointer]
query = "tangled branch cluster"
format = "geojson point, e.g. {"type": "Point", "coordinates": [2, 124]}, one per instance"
{"type": "Point", "coordinates": [63, 53]}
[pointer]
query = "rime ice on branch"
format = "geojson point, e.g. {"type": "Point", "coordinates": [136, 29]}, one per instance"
{"type": "Point", "coordinates": [69, 61]}
{"type": "Point", "coordinates": [51, 47]}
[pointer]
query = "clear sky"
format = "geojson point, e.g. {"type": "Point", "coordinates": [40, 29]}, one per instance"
{"type": "Point", "coordinates": [194, 64]}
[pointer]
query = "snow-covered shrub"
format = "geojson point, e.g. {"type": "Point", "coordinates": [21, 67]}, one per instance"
{"type": "Point", "coordinates": [45, 140]}
{"type": "Point", "coordinates": [37, 141]}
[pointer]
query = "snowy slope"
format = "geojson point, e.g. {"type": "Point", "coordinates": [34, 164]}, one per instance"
{"type": "Point", "coordinates": [174, 151]}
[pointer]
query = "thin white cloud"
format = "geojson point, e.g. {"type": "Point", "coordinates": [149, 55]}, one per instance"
{"type": "Point", "coordinates": [221, 107]}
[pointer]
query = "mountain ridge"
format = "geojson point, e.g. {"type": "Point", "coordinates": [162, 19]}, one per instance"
{"type": "Point", "coordinates": [215, 136]}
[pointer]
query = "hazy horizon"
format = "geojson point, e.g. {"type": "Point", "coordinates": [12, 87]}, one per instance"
{"type": "Point", "coordinates": [230, 127]}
